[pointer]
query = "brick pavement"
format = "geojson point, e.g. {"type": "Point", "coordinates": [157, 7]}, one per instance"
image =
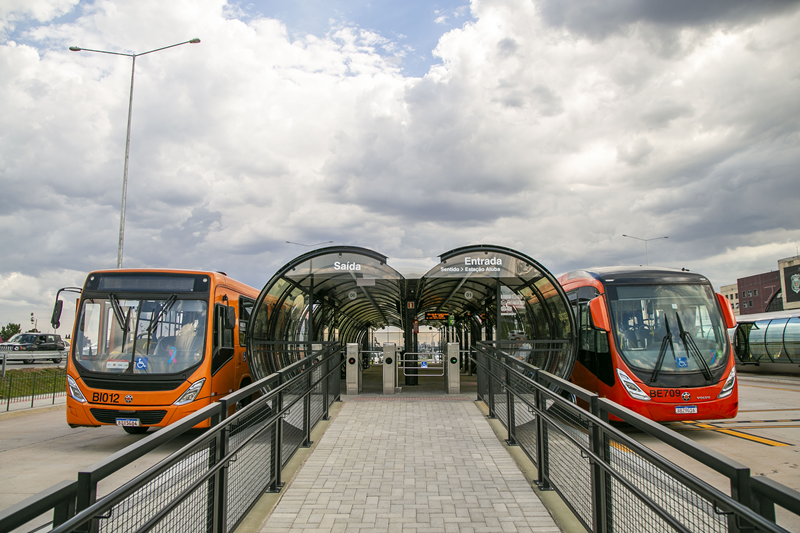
{"type": "Point", "coordinates": [409, 466]}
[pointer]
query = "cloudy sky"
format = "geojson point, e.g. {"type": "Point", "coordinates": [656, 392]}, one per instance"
{"type": "Point", "coordinates": [550, 126]}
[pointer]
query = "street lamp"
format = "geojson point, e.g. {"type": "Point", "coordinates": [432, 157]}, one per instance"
{"type": "Point", "coordinates": [128, 136]}
{"type": "Point", "coordinates": [645, 244]}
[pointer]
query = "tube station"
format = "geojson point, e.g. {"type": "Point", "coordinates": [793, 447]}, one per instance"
{"type": "Point", "coordinates": [344, 294]}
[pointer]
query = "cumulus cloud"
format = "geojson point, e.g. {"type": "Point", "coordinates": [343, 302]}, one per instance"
{"type": "Point", "coordinates": [541, 130]}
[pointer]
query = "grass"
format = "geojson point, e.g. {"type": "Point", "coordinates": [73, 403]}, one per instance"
{"type": "Point", "coordinates": [23, 382]}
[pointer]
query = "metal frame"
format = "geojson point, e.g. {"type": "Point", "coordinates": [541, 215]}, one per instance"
{"type": "Point", "coordinates": [750, 507]}
{"type": "Point", "coordinates": [233, 444]}
{"type": "Point", "coordinates": [437, 370]}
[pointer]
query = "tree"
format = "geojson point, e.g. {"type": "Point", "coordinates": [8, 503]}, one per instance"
{"type": "Point", "coordinates": [9, 330]}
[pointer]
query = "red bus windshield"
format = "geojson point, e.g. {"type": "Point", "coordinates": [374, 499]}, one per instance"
{"type": "Point", "coordinates": [678, 325]}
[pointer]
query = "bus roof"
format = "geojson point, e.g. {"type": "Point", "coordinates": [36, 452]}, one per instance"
{"type": "Point", "coordinates": [635, 275]}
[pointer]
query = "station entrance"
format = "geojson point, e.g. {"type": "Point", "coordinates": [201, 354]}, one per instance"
{"type": "Point", "coordinates": [344, 294]}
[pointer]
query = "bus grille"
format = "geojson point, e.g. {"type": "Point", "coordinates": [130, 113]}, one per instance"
{"type": "Point", "coordinates": [109, 416]}
{"type": "Point", "coordinates": [132, 385]}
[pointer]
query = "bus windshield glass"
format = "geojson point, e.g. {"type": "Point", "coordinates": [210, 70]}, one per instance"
{"type": "Point", "coordinates": [681, 321]}
{"type": "Point", "coordinates": [141, 336]}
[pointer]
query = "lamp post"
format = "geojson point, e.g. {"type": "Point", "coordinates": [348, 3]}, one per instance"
{"type": "Point", "coordinates": [647, 258]}
{"type": "Point", "coordinates": [128, 136]}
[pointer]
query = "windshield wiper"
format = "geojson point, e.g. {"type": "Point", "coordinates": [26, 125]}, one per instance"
{"type": "Point", "coordinates": [164, 308]}
{"type": "Point", "coordinates": [691, 348]}
{"type": "Point", "coordinates": [156, 319]}
{"type": "Point", "coordinates": [118, 314]}
{"type": "Point", "coordinates": [667, 340]}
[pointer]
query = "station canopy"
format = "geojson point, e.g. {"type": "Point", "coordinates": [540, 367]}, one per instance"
{"type": "Point", "coordinates": [340, 293]}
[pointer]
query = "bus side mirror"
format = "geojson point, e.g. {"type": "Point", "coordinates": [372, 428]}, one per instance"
{"type": "Point", "coordinates": [599, 314]}
{"type": "Point", "coordinates": [230, 317]}
{"type": "Point", "coordinates": [727, 312]}
{"type": "Point", "coordinates": [55, 320]}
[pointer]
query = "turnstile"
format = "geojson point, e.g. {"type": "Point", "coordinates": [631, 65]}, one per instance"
{"type": "Point", "coordinates": [389, 368]}
{"type": "Point", "coordinates": [353, 370]}
{"type": "Point", "coordinates": [452, 372]}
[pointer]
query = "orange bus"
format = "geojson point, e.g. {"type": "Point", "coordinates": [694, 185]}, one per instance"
{"type": "Point", "coordinates": [150, 346]}
{"type": "Point", "coordinates": [654, 340]}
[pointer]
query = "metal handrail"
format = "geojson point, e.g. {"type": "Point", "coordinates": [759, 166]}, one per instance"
{"type": "Point", "coordinates": [74, 501]}
{"type": "Point", "coordinates": [597, 421]}
{"type": "Point", "coordinates": [436, 370]}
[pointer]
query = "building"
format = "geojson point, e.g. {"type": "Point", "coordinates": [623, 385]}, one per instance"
{"type": "Point", "coordinates": [789, 269]}
{"type": "Point", "coordinates": [731, 292]}
{"type": "Point", "coordinates": [758, 291]}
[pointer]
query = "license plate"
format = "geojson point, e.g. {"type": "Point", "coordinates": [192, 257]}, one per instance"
{"type": "Point", "coordinates": [129, 422]}
{"type": "Point", "coordinates": [685, 409]}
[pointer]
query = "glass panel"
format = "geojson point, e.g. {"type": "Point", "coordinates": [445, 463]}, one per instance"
{"type": "Point", "coordinates": [756, 340]}
{"type": "Point", "coordinates": [644, 314]}
{"type": "Point", "coordinates": [774, 339]}
{"type": "Point", "coordinates": [791, 339]}
{"type": "Point", "coordinates": [153, 336]}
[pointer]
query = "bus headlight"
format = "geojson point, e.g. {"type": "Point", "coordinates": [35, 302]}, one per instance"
{"type": "Point", "coordinates": [74, 390]}
{"type": "Point", "coordinates": [191, 393]}
{"type": "Point", "coordinates": [727, 389]}
{"type": "Point", "coordinates": [633, 389]}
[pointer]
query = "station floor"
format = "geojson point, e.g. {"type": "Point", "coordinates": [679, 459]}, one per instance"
{"type": "Point", "coordinates": [419, 461]}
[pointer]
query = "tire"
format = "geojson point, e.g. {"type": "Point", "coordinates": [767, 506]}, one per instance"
{"type": "Point", "coordinates": [28, 361]}
{"type": "Point", "coordinates": [57, 360]}
{"type": "Point", "coordinates": [135, 430]}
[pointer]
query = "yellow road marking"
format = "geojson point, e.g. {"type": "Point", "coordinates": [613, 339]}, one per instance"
{"type": "Point", "coordinates": [739, 434]}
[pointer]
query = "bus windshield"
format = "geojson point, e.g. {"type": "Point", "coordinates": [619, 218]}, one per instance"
{"type": "Point", "coordinates": [140, 336]}
{"type": "Point", "coordinates": [678, 322]}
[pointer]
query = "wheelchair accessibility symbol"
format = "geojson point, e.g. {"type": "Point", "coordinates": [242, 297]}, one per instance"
{"type": "Point", "coordinates": [141, 363]}
{"type": "Point", "coordinates": [683, 362]}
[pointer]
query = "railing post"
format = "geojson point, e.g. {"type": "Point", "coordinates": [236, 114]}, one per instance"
{"type": "Point", "coordinates": [596, 444]}
{"type": "Point", "coordinates": [326, 414]}
{"type": "Point", "coordinates": [219, 503]}
{"type": "Point", "coordinates": [542, 464]}
{"type": "Point", "coordinates": [55, 382]}
{"type": "Point", "coordinates": [277, 441]}
{"type": "Point", "coordinates": [87, 496]}
{"type": "Point", "coordinates": [33, 389]}
{"type": "Point", "coordinates": [10, 382]}
{"type": "Point", "coordinates": [512, 430]}
{"type": "Point", "coordinates": [307, 409]}
{"type": "Point", "coordinates": [742, 493]}
{"type": "Point", "coordinates": [490, 385]}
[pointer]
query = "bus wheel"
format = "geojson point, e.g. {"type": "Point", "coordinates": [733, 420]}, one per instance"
{"type": "Point", "coordinates": [135, 430]}
{"type": "Point", "coordinates": [56, 361]}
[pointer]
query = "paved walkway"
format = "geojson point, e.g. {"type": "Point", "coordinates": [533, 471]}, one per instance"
{"type": "Point", "coordinates": [409, 464]}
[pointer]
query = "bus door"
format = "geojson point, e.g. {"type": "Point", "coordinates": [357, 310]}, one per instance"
{"type": "Point", "coordinates": [223, 368]}
{"type": "Point", "coordinates": [594, 355]}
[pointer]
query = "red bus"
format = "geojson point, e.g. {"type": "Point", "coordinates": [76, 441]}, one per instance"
{"type": "Point", "coordinates": [152, 346]}
{"type": "Point", "coordinates": [654, 340]}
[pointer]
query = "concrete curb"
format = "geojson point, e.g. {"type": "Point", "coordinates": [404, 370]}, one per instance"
{"type": "Point", "coordinates": [5, 415]}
